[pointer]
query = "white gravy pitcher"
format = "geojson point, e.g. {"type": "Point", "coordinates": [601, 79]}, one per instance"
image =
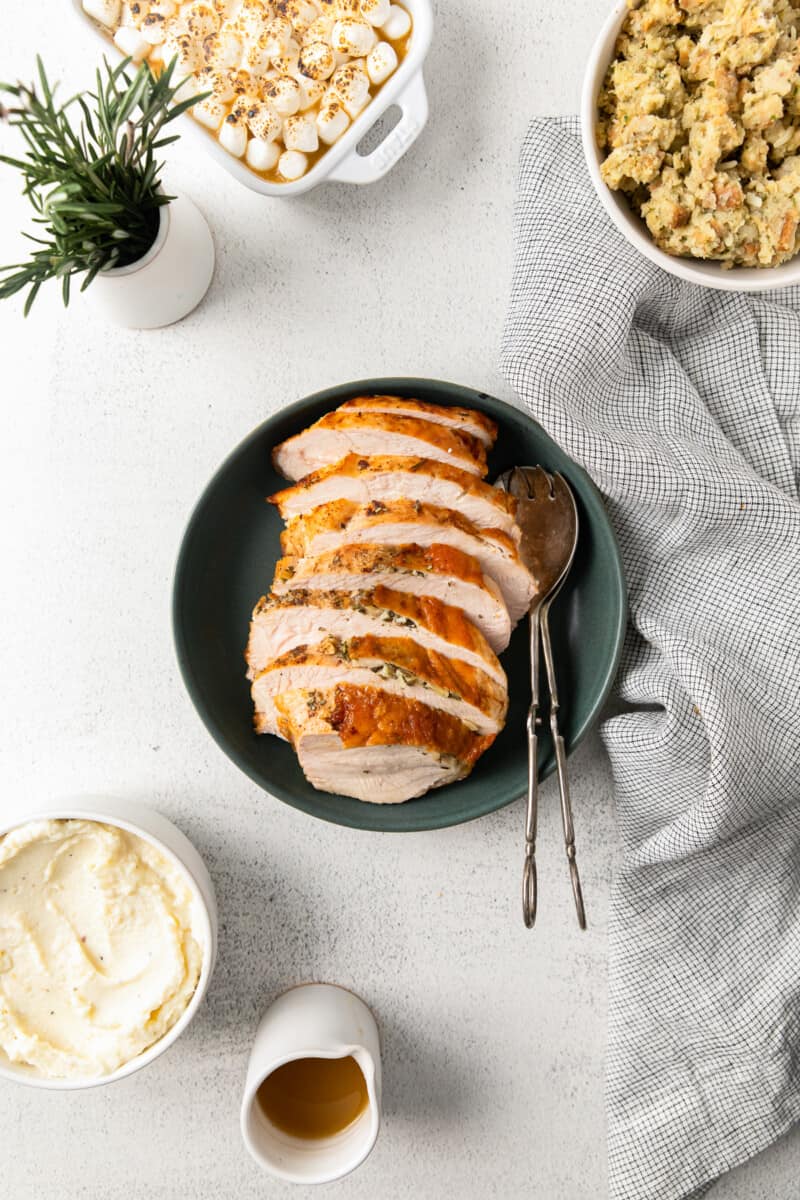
{"type": "Point", "coordinates": [315, 1020]}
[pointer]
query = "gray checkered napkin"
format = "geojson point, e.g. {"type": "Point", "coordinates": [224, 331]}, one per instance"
{"type": "Point", "coordinates": [683, 404]}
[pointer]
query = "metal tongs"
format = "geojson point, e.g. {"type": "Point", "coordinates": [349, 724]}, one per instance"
{"type": "Point", "coordinates": [548, 518]}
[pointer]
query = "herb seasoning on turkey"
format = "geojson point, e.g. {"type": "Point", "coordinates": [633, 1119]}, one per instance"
{"type": "Point", "coordinates": [375, 652]}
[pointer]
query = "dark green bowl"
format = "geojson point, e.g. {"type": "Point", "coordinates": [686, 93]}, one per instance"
{"type": "Point", "coordinates": [226, 562]}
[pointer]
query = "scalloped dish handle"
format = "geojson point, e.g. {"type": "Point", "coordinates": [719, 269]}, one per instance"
{"type": "Point", "coordinates": [367, 168]}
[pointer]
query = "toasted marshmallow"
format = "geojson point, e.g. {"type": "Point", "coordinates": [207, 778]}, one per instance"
{"type": "Point", "coordinates": [318, 31]}
{"type": "Point", "coordinates": [255, 58]}
{"type": "Point", "coordinates": [154, 29]}
{"type": "Point", "coordinates": [317, 61]}
{"type": "Point", "coordinates": [188, 56]}
{"type": "Point", "coordinates": [351, 84]}
{"type": "Point", "coordinates": [251, 19]}
{"type": "Point", "coordinates": [104, 11]}
{"type": "Point", "coordinates": [300, 133]}
{"type": "Point", "coordinates": [209, 112]}
{"type": "Point", "coordinates": [332, 120]}
{"type": "Point", "coordinates": [397, 24]}
{"type": "Point", "coordinates": [131, 43]}
{"type": "Point", "coordinates": [340, 8]}
{"type": "Point", "coordinates": [286, 63]}
{"type": "Point", "coordinates": [199, 20]}
{"type": "Point", "coordinates": [262, 156]}
{"type": "Point", "coordinates": [223, 50]}
{"type": "Point", "coordinates": [292, 164]}
{"type": "Point", "coordinates": [133, 12]}
{"type": "Point", "coordinates": [263, 121]}
{"type": "Point", "coordinates": [277, 36]}
{"type": "Point", "coordinates": [284, 94]}
{"type": "Point", "coordinates": [300, 12]}
{"type": "Point", "coordinates": [219, 83]}
{"type": "Point", "coordinates": [381, 62]}
{"type": "Point", "coordinates": [375, 12]}
{"type": "Point", "coordinates": [312, 91]}
{"type": "Point", "coordinates": [241, 83]}
{"type": "Point", "coordinates": [233, 135]}
{"type": "Point", "coordinates": [351, 36]}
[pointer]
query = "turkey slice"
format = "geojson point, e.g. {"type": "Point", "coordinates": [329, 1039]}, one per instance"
{"type": "Point", "coordinates": [397, 522]}
{"type": "Point", "coordinates": [434, 571]}
{"type": "Point", "coordinates": [398, 665]}
{"type": "Point", "coordinates": [338, 434]}
{"type": "Point", "coordinates": [304, 616]}
{"type": "Point", "coordinates": [385, 477]}
{"type": "Point", "coordinates": [469, 419]}
{"type": "Point", "coordinates": [376, 746]}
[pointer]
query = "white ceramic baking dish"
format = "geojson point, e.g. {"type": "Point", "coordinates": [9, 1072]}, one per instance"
{"type": "Point", "coordinates": [146, 823]}
{"type": "Point", "coordinates": [341, 163]}
{"type": "Point", "coordinates": [631, 226]}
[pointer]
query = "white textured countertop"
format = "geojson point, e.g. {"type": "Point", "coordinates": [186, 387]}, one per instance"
{"type": "Point", "coordinates": [493, 1037]}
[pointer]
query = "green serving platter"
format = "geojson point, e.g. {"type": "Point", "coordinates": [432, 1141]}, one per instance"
{"type": "Point", "coordinates": [226, 563]}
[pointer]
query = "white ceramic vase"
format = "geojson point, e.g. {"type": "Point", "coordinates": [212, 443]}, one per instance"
{"type": "Point", "coordinates": [168, 282]}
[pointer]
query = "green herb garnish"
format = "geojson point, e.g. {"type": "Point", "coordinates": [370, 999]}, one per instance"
{"type": "Point", "coordinates": [94, 187]}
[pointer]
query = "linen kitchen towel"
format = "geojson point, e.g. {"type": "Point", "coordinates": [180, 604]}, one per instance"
{"type": "Point", "coordinates": [684, 406]}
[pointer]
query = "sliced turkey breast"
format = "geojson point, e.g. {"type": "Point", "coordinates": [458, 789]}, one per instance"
{"type": "Point", "coordinates": [338, 434]}
{"type": "Point", "coordinates": [302, 617]}
{"type": "Point", "coordinates": [384, 477]}
{"type": "Point", "coordinates": [376, 746]}
{"type": "Point", "coordinates": [476, 423]}
{"type": "Point", "coordinates": [442, 572]}
{"type": "Point", "coordinates": [393, 664]}
{"type": "Point", "coordinates": [342, 522]}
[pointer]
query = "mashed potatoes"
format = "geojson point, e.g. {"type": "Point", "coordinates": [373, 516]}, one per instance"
{"type": "Point", "coordinates": [98, 954]}
{"type": "Point", "coordinates": [700, 118]}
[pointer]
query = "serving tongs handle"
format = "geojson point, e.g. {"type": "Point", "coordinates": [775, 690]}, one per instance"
{"type": "Point", "coordinates": [529, 887]}
{"type": "Point", "coordinates": [561, 765]}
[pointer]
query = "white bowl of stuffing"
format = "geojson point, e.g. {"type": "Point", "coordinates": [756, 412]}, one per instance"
{"type": "Point", "coordinates": [690, 119]}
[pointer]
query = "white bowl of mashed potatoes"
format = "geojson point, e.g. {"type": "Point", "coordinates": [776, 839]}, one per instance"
{"type": "Point", "coordinates": [690, 120]}
{"type": "Point", "coordinates": [108, 938]}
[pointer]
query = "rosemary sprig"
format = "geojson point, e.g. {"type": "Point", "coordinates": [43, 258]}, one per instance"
{"type": "Point", "coordinates": [94, 187]}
